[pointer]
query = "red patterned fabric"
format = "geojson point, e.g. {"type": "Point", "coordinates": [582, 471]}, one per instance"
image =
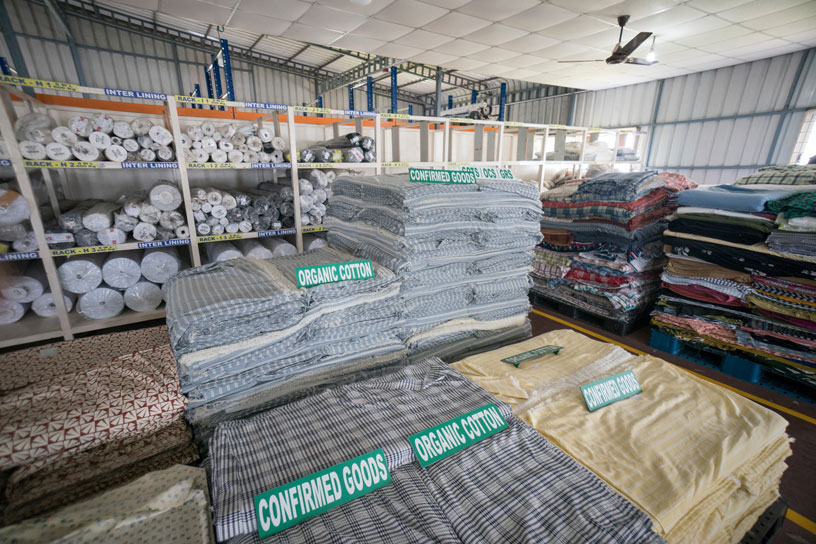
{"type": "Point", "coordinates": [677, 182]}
{"type": "Point", "coordinates": [649, 201]}
{"type": "Point", "coordinates": [581, 274]}
{"type": "Point", "coordinates": [636, 222]}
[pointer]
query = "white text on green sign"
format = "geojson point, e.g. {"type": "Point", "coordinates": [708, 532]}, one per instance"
{"type": "Point", "coordinates": [436, 443]}
{"type": "Point", "coordinates": [486, 172]}
{"type": "Point", "coordinates": [516, 360]}
{"type": "Point", "coordinates": [422, 175]}
{"type": "Point", "coordinates": [612, 389]}
{"type": "Point", "coordinates": [310, 276]}
{"type": "Point", "coordinates": [300, 500]}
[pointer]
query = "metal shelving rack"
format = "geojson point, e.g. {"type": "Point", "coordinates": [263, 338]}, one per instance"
{"type": "Point", "coordinates": [438, 141]}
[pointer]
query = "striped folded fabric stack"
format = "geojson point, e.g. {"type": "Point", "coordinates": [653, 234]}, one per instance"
{"type": "Point", "coordinates": [601, 250]}
{"type": "Point", "coordinates": [79, 417]}
{"type": "Point", "coordinates": [741, 276]}
{"type": "Point", "coordinates": [462, 252]}
{"type": "Point", "coordinates": [703, 462]}
{"type": "Point", "coordinates": [247, 338]}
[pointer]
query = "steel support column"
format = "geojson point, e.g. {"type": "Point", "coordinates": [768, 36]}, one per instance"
{"type": "Point", "coordinates": [438, 101]}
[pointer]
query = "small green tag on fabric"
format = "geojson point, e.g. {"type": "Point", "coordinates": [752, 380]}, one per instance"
{"type": "Point", "coordinates": [310, 276]}
{"type": "Point", "coordinates": [316, 493]}
{"type": "Point", "coordinates": [445, 439]}
{"type": "Point", "coordinates": [516, 360]}
{"type": "Point", "coordinates": [456, 177]}
{"type": "Point", "coordinates": [612, 389]}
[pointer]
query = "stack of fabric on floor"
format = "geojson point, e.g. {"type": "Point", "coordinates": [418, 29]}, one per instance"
{"type": "Point", "coordinates": [601, 249]}
{"type": "Point", "coordinates": [170, 505]}
{"type": "Point", "coordinates": [79, 417]}
{"type": "Point", "coordinates": [738, 280]}
{"type": "Point", "coordinates": [462, 252]}
{"type": "Point", "coordinates": [512, 486]}
{"type": "Point", "coordinates": [703, 462]}
{"type": "Point", "coordinates": [247, 338]}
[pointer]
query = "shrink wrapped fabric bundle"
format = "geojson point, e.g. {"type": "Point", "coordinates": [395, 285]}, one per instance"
{"type": "Point", "coordinates": [45, 306]}
{"type": "Point", "coordinates": [242, 199]}
{"type": "Point", "coordinates": [165, 196]}
{"type": "Point", "coordinates": [99, 216]}
{"type": "Point", "coordinates": [29, 125]}
{"type": "Point", "coordinates": [254, 249]}
{"type": "Point", "coordinates": [144, 232]}
{"type": "Point", "coordinates": [101, 303]}
{"type": "Point", "coordinates": [86, 238]}
{"type": "Point", "coordinates": [159, 264]}
{"type": "Point", "coordinates": [143, 296]}
{"type": "Point", "coordinates": [11, 312]}
{"type": "Point", "coordinates": [278, 246]}
{"type": "Point", "coordinates": [26, 244]}
{"type": "Point", "coordinates": [111, 236]}
{"type": "Point", "coordinates": [81, 273]}
{"type": "Point", "coordinates": [171, 220]}
{"type": "Point", "coordinates": [132, 205]}
{"type": "Point", "coordinates": [14, 207]}
{"type": "Point", "coordinates": [122, 269]}
{"type": "Point", "coordinates": [72, 219]}
{"type": "Point", "coordinates": [222, 251]}
{"type": "Point", "coordinates": [149, 213]}
{"type": "Point", "coordinates": [60, 239]}
{"type": "Point", "coordinates": [24, 286]}
{"type": "Point", "coordinates": [310, 242]}
{"type": "Point", "coordinates": [125, 222]}
{"type": "Point", "coordinates": [353, 154]}
{"type": "Point", "coordinates": [11, 233]}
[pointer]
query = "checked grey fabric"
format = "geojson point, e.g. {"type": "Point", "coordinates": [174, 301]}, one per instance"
{"type": "Point", "coordinates": [512, 487]}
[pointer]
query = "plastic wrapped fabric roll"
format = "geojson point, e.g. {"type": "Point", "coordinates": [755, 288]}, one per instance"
{"type": "Point", "coordinates": [141, 127]}
{"type": "Point", "coordinates": [264, 157]}
{"type": "Point", "coordinates": [287, 209]}
{"type": "Point", "coordinates": [165, 196]}
{"type": "Point", "coordinates": [213, 221]}
{"type": "Point", "coordinates": [144, 232]}
{"type": "Point", "coordinates": [353, 154]}
{"type": "Point", "coordinates": [100, 216]}
{"type": "Point", "coordinates": [186, 141]}
{"type": "Point", "coordinates": [305, 220]}
{"type": "Point", "coordinates": [278, 143]}
{"type": "Point", "coordinates": [315, 218]}
{"type": "Point", "coordinates": [331, 175]}
{"type": "Point", "coordinates": [252, 156]}
{"type": "Point", "coordinates": [310, 241]}
{"type": "Point", "coordinates": [24, 286]}
{"type": "Point", "coordinates": [319, 196]}
{"type": "Point", "coordinates": [243, 199]}
{"type": "Point", "coordinates": [219, 211]}
{"type": "Point", "coordinates": [122, 129]}
{"type": "Point", "coordinates": [219, 156]}
{"type": "Point", "coordinates": [235, 156]}
{"type": "Point", "coordinates": [164, 153]}
{"type": "Point", "coordinates": [80, 125]}
{"type": "Point", "coordinates": [217, 230]}
{"type": "Point", "coordinates": [235, 214]}
{"type": "Point", "coordinates": [130, 145]}
{"type": "Point", "coordinates": [14, 207]}
{"type": "Point", "coordinates": [306, 203]}
{"type": "Point", "coordinates": [307, 155]}
{"type": "Point", "coordinates": [111, 236]}
{"type": "Point", "coordinates": [321, 154]}
{"type": "Point", "coordinates": [86, 238]}
{"type": "Point", "coordinates": [58, 152]}
{"type": "Point", "coordinates": [59, 239]}
{"type": "Point", "coordinates": [209, 145]}
{"type": "Point", "coordinates": [85, 151]}
{"type": "Point", "coordinates": [11, 312]}
{"type": "Point", "coordinates": [182, 232]}
{"type": "Point", "coordinates": [247, 212]}
{"type": "Point", "coordinates": [160, 135]}
{"type": "Point", "coordinates": [228, 201]}
{"type": "Point", "coordinates": [101, 303]}
{"type": "Point", "coordinates": [206, 207]}
{"type": "Point", "coordinates": [238, 139]}
{"type": "Point", "coordinates": [171, 220]}
{"type": "Point", "coordinates": [337, 155]}
{"type": "Point", "coordinates": [231, 228]}
{"type": "Point", "coordinates": [203, 229]}
{"type": "Point", "coordinates": [207, 128]}
{"type": "Point", "coordinates": [318, 178]}
{"type": "Point", "coordinates": [45, 306]}
{"type": "Point", "coordinates": [164, 234]}
{"type": "Point", "coordinates": [25, 126]}
{"type": "Point", "coordinates": [81, 273]}
{"type": "Point", "coordinates": [147, 155]}
{"type": "Point", "coordinates": [214, 196]}
{"type": "Point", "coordinates": [369, 156]}
{"type": "Point", "coordinates": [223, 221]}
{"type": "Point", "coordinates": [99, 140]}
{"type": "Point", "coordinates": [265, 135]}
{"type": "Point", "coordinates": [195, 204]}
{"type": "Point", "coordinates": [261, 204]}
{"type": "Point", "coordinates": [199, 193]}
{"type": "Point", "coordinates": [11, 233]}
{"type": "Point", "coordinates": [64, 136]}
{"type": "Point", "coordinates": [148, 213]}
{"type": "Point", "coordinates": [254, 143]}
{"type": "Point", "coordinates": [272, 213]}
{"type": "Point", "coordinates": [305, 187]}
{"type": "Point", "coordinates": [245, 226]}
{"type": "Point", "coordinates": [254, 249]}
{"type": "Point", "coordinates": [28, 243]}
{"type": "Point", "coordinates": [353, 139]}
{"type": "Point", "coordinates": [367, 143]}
{"type": "Point", "coordinates": [199, 155]}
{"type": "Point", "coordinates": [116, 140]}
{"type": "Point", "coordinates": [222, 251]}
{"type": "Point", "coordinates": [116, 153]}
{"type": "Point", "coordinates": [199, 216]}
{"type": "Point", "coordinates": [125, 222]}
{"type": "Point", "coordinates": [34, 151]}
{"type": "Point", "coordinates": [160, 264]}
{"type": "Point", "coordinates": [278, 246]}
{"type": "Point", "coordinates": [143, 296]}
{"type": "Point", "coordinates": [195, 133]}
{"type": "Point", "coordinates": [122, 269]}
{"type": "Point", "coordinates": [276, 156]}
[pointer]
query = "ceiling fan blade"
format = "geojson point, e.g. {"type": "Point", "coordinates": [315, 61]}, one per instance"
{"type": "Point", "coordinates": [568, 61]}
{"type": "Point", "coordinates": [641, 62]}
{"type": "Point", "coordinates": [633, 44]}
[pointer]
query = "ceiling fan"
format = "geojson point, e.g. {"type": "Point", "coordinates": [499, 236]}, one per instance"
{"type": "Point", "coordinates": [620, 55]}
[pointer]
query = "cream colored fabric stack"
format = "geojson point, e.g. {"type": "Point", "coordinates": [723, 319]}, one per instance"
{"type": "Point", "coordinates": [702, 461]}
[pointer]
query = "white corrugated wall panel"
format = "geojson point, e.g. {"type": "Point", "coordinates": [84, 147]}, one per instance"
{"type": "Point", "coordinates": [48, 60]}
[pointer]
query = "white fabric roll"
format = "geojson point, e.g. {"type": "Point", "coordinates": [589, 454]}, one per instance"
{"type": "Point", "coordinates": [278, 144]}
{"type": "Point", "coordinates": [207, 128]}
{"type": "Point", "coordinates": [217, 136]}
{"type": "Point", "coordinates": [310, 241]}
{"type": "Point", "coordinates": [45, 306]}
{"type": "Point", "coordinates": [116, 153]}
{"type": "Point", "coordinates": [225, 146]}
{"type": "Point", "coordinates": [200, 216]}
{"type": "Point", "coordinates": [235, 156]}
{"type": "Point", "coordinates": [28, 243]}
{"type": "Point", "coordinates": [219, 156]}
{"type": "Point", "coordinates": [58, 152]}
{"type": "Point", "coordinates": [122, 269]}
{"type": "Point", "coordinates": [81, 273]}
{"type": "Point", "coordinates": [12, 233]}
{"type": "Point", "coordinates": [203, 229]}
{"type": "Point", "coordinates": [144, 232]}
{"type": "Point", "coordinates": [132, 205]}
{"type": "Point", "coordinates": [148, 213]}
{"type": "Point", "coordinates": [228, 201]}
{"type": "Point", "coordinates": [199, 193]}
{"type": "Point", "coordinates": [252, 156]}
{"type": "Point", "coordinates": [102, 123]}
{"type": "Point", "coordinates": [101, 303]}
{"type": "Point", "coordinates": [99, 140]}
{"type": "Point", "coordinates": [122, 129]}
{"type": "Point", "coordinates": [112, 236]}
{"type": "Point", "coordinates": [214, 196]}
{"type": "Point", "coordinates": [182, 232]}
{"type": "Point", "coordinates": [253, 248]}
{"type": "Point", "coordinates": [265, 135]}
{"type": "Point", "coordinates": [222, 251]}
{"type": "Point", "coordinates": [17, 209]}
{"type": "Point", "coordinates": [231, 228]}
{"type": "Point", "coordinates": [143, 296]}
{"type": "Point", "coordinates": [26, 125]}
{"type": "Point", "coordinates": [81, 126]}
{"type": "Point", "coordinates": [84, 151]}
{"type": "Point", "coordinates": [238, 139]}
{"type": "Point", "coordinates": [254, 143]}
{"type": "Point", "coordinates": [164, 153]}
{"type": "Point", "coordinates": [223, 221]}
{"type": "Point", "coordinates": [245, 226]}
{"type": "Point", "coordinates": [130, 145]}
{"type": "Point", "coordinates": [195, 133]}
{"type": "Point", "coordinates": [218, 211]}
{"type": "Point", "coordinates": [124, 222]}
{"type": "Point", "coordinates": [208, 144]}
{"type": "Point", "coordinates": [199, 155]}
{"type": "Point", "coordinates": [100, 216]}
{"type": "Point", "coordinates": [278, 246]}
{"type": "Point", "coordinates": [64, 136]}
{"type": "Point", "coordinates": [165, 196]}
{"type": "Point", "coordinates": [25, 287]}
{"type": "Point", "coordinates": [306, 187]}
{"type": "Point", "coordinates": [171, 220]}
{"type": "Point", "coordinates": [34, 151]}
{"type": "Point", "coordinates": [217, 229]}
{"type": "Point", "coordinates": [11, 312]}
{"type": "Point", "coordinates": [276, 156]}
{"type": "Point", "coordinates": [159, 264]}
{"type": "Point", "coordinates": [141, 127]}
{"type": "Point", "coordinates": [160, 135]}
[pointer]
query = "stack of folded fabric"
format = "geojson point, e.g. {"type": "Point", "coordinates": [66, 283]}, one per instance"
{"type": "Point", "coordinates": [704, 463]}
{"type": "Point", "coordinates": [511, 486]}
{"type": "Point", "coordinates": [78, 419]}
{"type": "Point", "coordinates": [601, 249]}
{"type": "Point", "coordinates": [462, 252]}
{"type": "Point", "coordinates": [247, 338]}
{"type": "Point", "coordinates": [735, 281]}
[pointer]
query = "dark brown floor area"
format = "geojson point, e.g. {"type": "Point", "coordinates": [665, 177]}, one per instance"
{"type": "Point", "coordinates": [799, 481]}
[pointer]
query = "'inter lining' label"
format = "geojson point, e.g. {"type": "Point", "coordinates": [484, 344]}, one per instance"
{"type": "Point", "coordinates": [612, 389]}
{"type": "Point", "coordinates": [312, 495]}
{"type": "Point", "coordinates": [422, 175]}
{"type": "Point", "coordinates": [311, 276]}
{"type": "Point", "coordinates": [445, 439]}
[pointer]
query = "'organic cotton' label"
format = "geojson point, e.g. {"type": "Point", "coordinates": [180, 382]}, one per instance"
{"type": "Point", "coordinates": [310, 276]}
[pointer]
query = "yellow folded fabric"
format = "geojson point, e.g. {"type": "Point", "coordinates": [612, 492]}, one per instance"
{"type": "Point", "coordinates": [679, 444]}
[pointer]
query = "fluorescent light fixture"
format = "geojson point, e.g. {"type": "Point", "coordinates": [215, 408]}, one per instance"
{"type": "Point", "coordinates": [652, 55]}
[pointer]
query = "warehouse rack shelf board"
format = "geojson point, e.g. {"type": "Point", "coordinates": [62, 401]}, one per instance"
{"type": "Point", "coordinates": [80, 324]}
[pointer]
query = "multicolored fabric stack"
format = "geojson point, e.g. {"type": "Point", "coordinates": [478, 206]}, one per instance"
{"type": "Point", "coordinates": [78, 419]}
{"type": "Point", "coordinates": [601, 250]}
{"type": "Point", "coordinates": [741, 276]}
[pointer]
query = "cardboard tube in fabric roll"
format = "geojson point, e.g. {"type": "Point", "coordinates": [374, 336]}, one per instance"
{"type": "Point", "coordinates": [278, 246]}
{"type": "Point", "coordinates": [213, 197]}
{"type": "Point", "coordinates": [100, 216]}
{"type": "Point", "coordinates": [122, 269]}
{"type": "Point", "coordinates": [11, 312]}
{"type": "Point", "coordinates": [45, 306]}
{"type": "Point", "coordinates": [165, 196]}
{"type": "Point", "coordinates": [310, 241]}
{"type": "Point", "coordinates": [143, 296]}
{"type": "Point", "coordinates": [25, 287]}
{"type": "Point", "coordinates": [182, 232]}
{"type": "Point", "coordinates": [81, 273]}
{"type": "Point", "coordinates": [16, 208]}
{"type": "Point", "coordinates": [101, 303]}
{"type": "Point", "coordinates": [254, 249]}
{"type": "Point", "coordinates": [160, 264]}
{"type": "Point", "coordinates": [223, 251]}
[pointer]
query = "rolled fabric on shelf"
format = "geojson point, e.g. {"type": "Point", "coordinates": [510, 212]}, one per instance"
{"type": "Point", "coordinates": [253, 248]}
{"type": "Point", "coordinates": [11, 233]}
{"type": "Point", "coordinates": [265, 135]}
{"type": "Point", "coordinates": [165, 196]}
{"type": "Point", "coordinates": [213, 196]}
{"type": "Point", "coordinates": [122, 129]}
{"type": "Point", "coordinates": [86, 238]}
{"type": "Point", "coordinates": [143, 296]}
{"type": "Point", "coordinates": [26, 244]}
{"type": "Point", "coordinates": [278, 144]}
{"type": "Point", "coordinates": [160, 135]}
{"type": "Point", "coordinates": [116, 153]}
{"type": "Point", "coordinates": [245, 226]}
{"type": "Point", "coordinates": [26, 285]}
{"type": "Point", "coordinates": [141, 127]}
{"type": "Point", "coordinates": [132, 205]}
{"type": "Point", "coordinates": [59, 239]}
{"type": "Point", "coordinates": [218, 211]}
{"type": "Point", "coordinates": [305, 187]}
{"type": "Point", "coordinates": [101, 303]}
{"type": "Point", "coordinates": [144, 232]}
{"type": "Point", "coordinates": [222, 251]}
{"type": "Point", "coordinates": [100, 216]}
{"type": "Point", "coordinates": [11, 312]}
{"type": "Point", "coordinates": [219, 156]}
{"type": "Point", "coordinates": [125, 222]}
{"type": "Point", "coordinates": [122, 269]}
{"type": "Point", "coordinates": [99, 140]}
{"type": "Point", "coordinates": [81, 273]}
{"type": "Point", "coordinates": [45, 306]}
{"type": "Point", "coordinates": [231, 228]}
{"type": "Point", "coordinates": [148, 213]}
{"type": "Point", "coordinates": [228, 201]}
{"type": "Point", "coordinates": [310, 241]}
{"type": "Point", "coordinates": [203, 229]}
{"type": "Point", "coordinates": [182, 232]}
{"type": "Point", "coordinates": [217, 230]}
{"type": "Point", "coordinates": [14, 207]}
{"type": "Point", "coordinates": [64, 136]}
{"type": "Point", "coordinates": [278, 246]}
{"type": "Point", "coordinates": [58, 152]}
{"type": "Point", "coordinates": [171, 220]}
{"type": "Point", "coordinates": [111, 236]}
{"type": "Point", "coordinates": [159, 264]}
{"type": "Point", "coordinates": [85, 151]}
{"type": "Point", "coordinates": [34, 151]}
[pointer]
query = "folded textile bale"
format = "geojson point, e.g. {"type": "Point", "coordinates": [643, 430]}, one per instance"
{"type": "Point", "coordinates": [704, 479]}
{"type": "Point", "coordinates": [533, 490]}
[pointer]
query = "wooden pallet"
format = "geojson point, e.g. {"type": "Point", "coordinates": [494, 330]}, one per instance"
{"type": "Point", "coordinates": [768, 524]}
{"type": "Point", "coordinates": [609, 324]}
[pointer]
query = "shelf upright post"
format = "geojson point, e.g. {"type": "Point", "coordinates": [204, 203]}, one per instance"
{"type": "Point", "coordinates": [172, 112]}
{"type": "Point", "coordinates": [370, 93]}
{"type": "Point", "coordinates": [501, 141]}
{"type": "Point", "coordinates": [295, 185]}
{"type": "Point", "coordinates": [17, 164]}
{"type": "Point", "coordinates": [378, 136]}
{"type": "Point", "coordinates": [446, 147]}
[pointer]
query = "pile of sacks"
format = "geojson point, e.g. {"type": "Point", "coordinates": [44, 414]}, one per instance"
{"type": "Point", "coordinates": [247, 338]}
{"type": "Point", "coordinates": [462, 252]}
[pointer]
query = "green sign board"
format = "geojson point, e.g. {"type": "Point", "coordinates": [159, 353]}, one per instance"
{"type": "Point", "coordinates": [486, 172]}
{"type": "Point", "coordinates": [612, 389]}
{"type": "Point", "coordinates": [457, 177]}
{"type": "Point", "coordinates": [310, 276]}
{"type": "Point", "coordinates": [316, 493]}
{"type": "Point", "coordinates": [436, 443]}
{"type": "Point", "coordinates": [516, 360]}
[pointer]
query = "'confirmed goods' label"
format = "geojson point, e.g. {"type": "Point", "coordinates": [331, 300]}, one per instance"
{"type": "Point", "coordinates": [310, 276]}
{"type": "Point", "coordinates": [612, 389]}
{"type": "Point", "coordinates": [422, 175]}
